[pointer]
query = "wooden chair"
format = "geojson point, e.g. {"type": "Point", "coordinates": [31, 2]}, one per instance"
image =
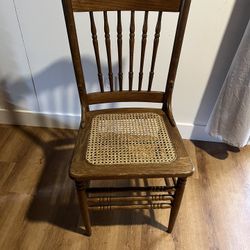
{"type": "Point", "coordinates": [128, 143]}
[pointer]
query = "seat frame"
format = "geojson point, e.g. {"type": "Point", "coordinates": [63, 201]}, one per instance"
{"type": "Point", "coordinates": [174, 174]}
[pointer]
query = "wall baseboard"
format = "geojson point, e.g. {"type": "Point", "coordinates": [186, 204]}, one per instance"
{"type": "Point", "coordinates": [72, 121]}
{"type": "Point", "coordinates": [195, 132]}
{"type": "Point", "coordinates": [31, 118]}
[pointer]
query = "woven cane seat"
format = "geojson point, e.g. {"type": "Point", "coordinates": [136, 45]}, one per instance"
{"type": "Point", "coordinates": [129, 138]}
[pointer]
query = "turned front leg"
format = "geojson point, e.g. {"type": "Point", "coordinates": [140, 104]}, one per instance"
{"type": "Point", "coordinates": [180, 186]}
{"type": "Point", "coordinates": [83, 202]}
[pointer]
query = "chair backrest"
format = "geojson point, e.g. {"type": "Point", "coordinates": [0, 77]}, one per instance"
{"type": "Point", "coordinates": [129, 95]}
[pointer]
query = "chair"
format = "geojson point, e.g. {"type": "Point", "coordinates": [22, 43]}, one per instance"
{"type": "Point", "coordinates": [114, 144]}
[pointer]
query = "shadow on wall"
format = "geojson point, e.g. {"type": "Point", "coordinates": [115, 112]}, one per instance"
{"type": "Point", "coordinates": [54, 82]}
{"type": "Point", "coordinates": [229, 45]}
{"type": "Point", "coordinates": [57, 93]}
{"type": "Point", "coordinates": [58, 76]}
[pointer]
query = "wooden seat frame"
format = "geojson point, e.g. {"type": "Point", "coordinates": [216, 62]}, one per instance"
{"type": "Point", "coordinates": [81, 171]}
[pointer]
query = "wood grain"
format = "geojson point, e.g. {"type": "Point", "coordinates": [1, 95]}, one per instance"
{"type": "Point", "coordinates": [125, 96]}
{"type": "Point", "coordinates": [75, 52]}
{"type": "Point", "coordinates": [39, 209]}
{"type": "Point", "coordinates": [114, 5]}
{"type": "Point", "coordinates": [180, 30]}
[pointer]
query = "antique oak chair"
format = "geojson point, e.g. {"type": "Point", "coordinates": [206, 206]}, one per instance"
{"type": "Point", "coordinates": [128, 143]}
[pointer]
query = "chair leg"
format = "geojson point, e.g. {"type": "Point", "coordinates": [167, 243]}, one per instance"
{"type": "Point", "coordinates": [180, 186]}
{"type": "Point", "coordinates": [83, 202]}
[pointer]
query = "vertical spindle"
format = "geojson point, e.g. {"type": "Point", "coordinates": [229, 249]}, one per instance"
{"type": "Point", "coordinates": [119, 45]}
{"type": "Point", "coordinates": [143, 47]}
{"type": "Point", "coordinates": [131, 48]}
{"type": "Point", "coordinates": [96, 49]}
{"type": "Point", "coordinates": [155, 47]}
{"type": "Point", "coordinates": [108, 49]}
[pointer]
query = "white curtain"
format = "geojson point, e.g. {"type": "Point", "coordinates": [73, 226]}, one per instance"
{"type": "Point", "coordinates": [230, 118]}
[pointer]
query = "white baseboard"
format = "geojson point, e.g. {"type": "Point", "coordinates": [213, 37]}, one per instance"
{"type": "Point", "coordinates": [195, 132]}
{"type": "Point", "coordinates": [72, 121]}
{"type": "Point", "coordinates": [29, 118]}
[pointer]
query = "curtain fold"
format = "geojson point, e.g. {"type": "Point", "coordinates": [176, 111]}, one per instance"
{"type": "Point", "coordinates": [230, 118]}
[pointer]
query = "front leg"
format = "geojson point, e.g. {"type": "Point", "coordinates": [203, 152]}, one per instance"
{"type": "Point", "coordinates": [180, 186]}
{"type": "Point", "coordinates": [83, 202]}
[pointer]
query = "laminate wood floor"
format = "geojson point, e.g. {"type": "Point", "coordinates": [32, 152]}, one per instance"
{"type": "Point", "coordinates": [38, 206]}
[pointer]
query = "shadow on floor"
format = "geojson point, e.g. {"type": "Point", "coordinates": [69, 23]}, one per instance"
{"type": "Point", "coordinates": [54, 199]}
{"type": "Point", "coordinates": [215, 149]}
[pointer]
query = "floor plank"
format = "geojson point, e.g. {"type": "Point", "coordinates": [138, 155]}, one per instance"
{"type": "Point", "coordinates": [38, 206]}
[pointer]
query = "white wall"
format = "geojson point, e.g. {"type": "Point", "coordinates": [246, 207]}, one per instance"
{"type": "Point", "coordinates": [16, 86]}
{"type": "Point", "coordinates": [36, 65]}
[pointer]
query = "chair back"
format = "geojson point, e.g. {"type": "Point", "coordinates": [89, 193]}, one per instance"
{"type": "Point", "coordinates": [135, 91]}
